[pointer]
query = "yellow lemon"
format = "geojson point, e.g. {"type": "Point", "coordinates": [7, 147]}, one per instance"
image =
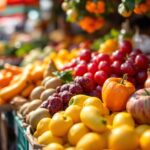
{"type": "Point", "coordinates": [123, 138]}
{"type": "Point", "coordinates": [93, 119]}
{"type": "Point", "coordinates": [141, 129]}
{"type": "Point", "coordinates": [74, 112]}
{"type": "Point", "coordinates": [76, 132]}
{"type": "Point", "coordinates": [60, 124]}
{"type": "Point", "coordinates": [145, 140]}
{"type": "Point", "coordinates": [78, 100]}
{"type": "Point", "coordinates": [94, 101]}
{"type": "Point", "coordinates": [123, 118]}
{"type": "Point", "coordinates": [90, 141]}
{"type": "Point", "coordinates": [47, 138]}
{"type": "Point", "coordinates": [54, 146]}
{"type": "Point", "coordinates": [42, 126]}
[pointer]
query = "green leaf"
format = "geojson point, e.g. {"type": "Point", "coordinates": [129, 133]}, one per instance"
{"type": "Point", "coordinates": [138, 1]}
{"type": "Point", "coordinates": [129, 4]}
{"type": "Point", "coordinates": [66, 76]}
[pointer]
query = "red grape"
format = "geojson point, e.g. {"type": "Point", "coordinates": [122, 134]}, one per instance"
{"type": "Point", "coordinates": [100, 77]}
{"type": "Point", "coordinates": [55, 104]}
{"type": "Point", "coordinates": [92, 67]}
{"type": "Point", "coordinates": [141, 77]}
{"type": "Point", "coordinates": [128, 68]}
{"type": "Point", "coordinates": [64, 87]}
{"type": "Point", "coordinates": [75, 88]}
{"type": "Point", "coordinates": [85, 55]}
{"type": "Point", "coordinates": [54, 95]}
{"type": "Point", "coordinates": [94, 54]}
{"type": "Point", "coordinates": [135, 52]}
{"type": "Point", "coordinates": [80, 70]}
{"type": "Point", "coordinates": [141, 61]}
{"type": "Point", "coordinates": [103, 57]}
{"type": "Point", "coordinates": [65, 96]}
{"type": "Point", "coordinates": [116, 67]}
{"type": "Point", "coordinates": [132, 80]}
{"type": "Point", "coordinates": [114, 75]}
{"type": "Point", "coordinates": [95, 93]}
{"type": "Point", "coordinates": [118, 55]}
{"type": "Point", "coordinates": [86, 83]}
{"type": "Point", "coordinates": [131, 59]}
{"type": "Point", "coordinates": [82, 62]}
{"type": "Point", "coordinates": [89, 75]}
{"type": "Point", "coordinates": [105, 66]}
{"type": "Point", "coordinates": [125, 46]}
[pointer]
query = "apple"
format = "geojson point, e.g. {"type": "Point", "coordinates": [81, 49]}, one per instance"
{"type": "Point", "coordinates": [139, 106]}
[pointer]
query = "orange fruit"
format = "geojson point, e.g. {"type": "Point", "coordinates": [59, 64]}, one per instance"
{"type": "Point", "coordinates": [47, 138]}
{"type": "Point", "coordinates": [145, 140]}
{"type": "Point", "coordinates": [76, 132]}
{"type": "Point", "coordinates": [60, 124]}
{"type": "Point", "coordinates": [90, 141]}
{"type": "Point", "coordinates": [141, 129]}
{"type": "Point", "coordinates": [42, 126]}
{"type": "Point", "coordinates": [123, 138]}
{"type": "Point", "coordinates": [123, 118]}
{"type": "Point", "coordinates": [54, 146]}
{"type": "Point", "coordinates": [74, 112]}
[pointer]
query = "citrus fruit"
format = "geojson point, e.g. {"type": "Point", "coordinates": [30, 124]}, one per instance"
{"type": "Point", "coordinates": [76, 132]}
{"type": "Point", "coordinates": [141, 129]}
{"type": "Point", "coordinates": [123, 118]}
{"type": "Point", "coordinates": [145, 140]}
{"type": "Point", "coordinates": [47, 138]}
{"type": "Point", "coordinates": [74, 112]}
{"type": "Point", "coordinates": [90, 141]}
{"type": "Point", "coordinates": [60, 124]}
{"type": "Point", "coordinates": [42, 126]}
{"type": "Point", "coordinates": [54, 146]}
{"type": "Point", "coordinates": [94, 101]}
{"type": "Point", "coordinates": [93, 119]}
{"type": "Point", "coordinates": [123, 138]}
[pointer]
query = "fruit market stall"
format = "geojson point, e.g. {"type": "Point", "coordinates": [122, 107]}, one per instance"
{"type": "Point", "coordinates": [84, 94]}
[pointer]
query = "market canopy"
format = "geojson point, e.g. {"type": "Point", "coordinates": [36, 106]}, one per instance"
{"type": "Point", "coordinates": [4, 3]}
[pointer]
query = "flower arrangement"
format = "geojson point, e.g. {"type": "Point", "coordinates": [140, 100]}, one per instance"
{"type": "Point", "coordinates": [139, 7]}
{"type": "Point", "coordinates": [88, 14]}
{"type": "Point", "coordinates": [91, 15]}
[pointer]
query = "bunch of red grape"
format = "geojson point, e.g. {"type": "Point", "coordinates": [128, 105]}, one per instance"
{"type": "Point", "coordinates": [60, 99]}
{"type": "Point", "coordinates": [99, 67]}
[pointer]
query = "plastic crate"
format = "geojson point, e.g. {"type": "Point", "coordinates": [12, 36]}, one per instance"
{"type": "Point", "coordinates": [22, 142]}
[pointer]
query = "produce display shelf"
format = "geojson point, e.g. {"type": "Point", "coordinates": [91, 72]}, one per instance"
{"type": "Point", "coordinates": [22, 142]}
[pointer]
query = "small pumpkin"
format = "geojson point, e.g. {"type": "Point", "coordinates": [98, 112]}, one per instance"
{"type": "Point", "coordinates": [147, 82]}
{"type": "Point", "coordinates": [138, 106]}
{"type": "Point", "coordinates": [116, 92]}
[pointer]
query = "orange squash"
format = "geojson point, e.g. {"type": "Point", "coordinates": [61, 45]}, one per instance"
{"type": "Point", "coordinates": [116, 92]}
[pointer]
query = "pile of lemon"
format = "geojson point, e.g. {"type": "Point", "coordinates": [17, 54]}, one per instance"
{"type": "Point", "coordinates": [88, 125]}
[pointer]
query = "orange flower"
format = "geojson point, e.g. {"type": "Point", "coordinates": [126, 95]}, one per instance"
{"type": "Point", "coordinates": [91, 24]}
{"type": "Point", "coordinates": [97, 8]}
{"type": "Point", "coordinates": [142, 8]}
